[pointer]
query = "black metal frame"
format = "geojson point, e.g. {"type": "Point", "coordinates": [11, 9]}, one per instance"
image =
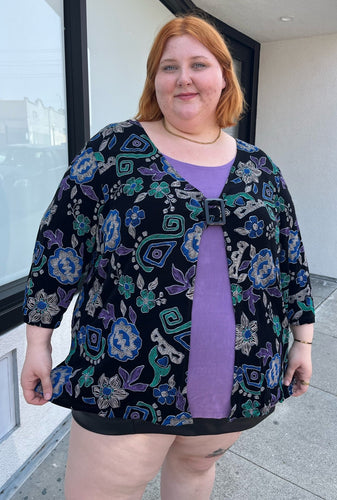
{"type": "Point", "coordinates": [243, 48]}
{"type": "Point", "coordinates": [77, 90]}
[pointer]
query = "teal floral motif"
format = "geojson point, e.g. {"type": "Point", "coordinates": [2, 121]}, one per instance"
{"type": "Point", "coordinates": [65, 265]}
{"type": "Point", "coordinates": [133, 186]}
{"type": "Point", "coordinates": [294, 246]}
{"type": "Point", "coordinates": [124, 341]}
{"type": "Point", "coordinates": [263, 272]}
{"type": "Point", "coordinates": [126, 286]}
{"type": "Point", "coordinates": [86, 379]}
{"type": "Point", "coordinates": [248, 172]}
{"type": "Point", "coordinates": [159, 190]}
{"type": "Point", "coordinates": [190, 247]}
{"type": "Point", "coordinates": [146, 301]}
{"type": "Point", "coordinates": [246, 335]}
{"type": "Point", "coordinates": [81, 225]}
{"type": "Point", "coordinates": [277, 325]}
{"type": "Point", "coordinates": [165, 394]}
{"type": "Point", "coordinates": [285, 280]}
{"type": "Point", "coordinates": [277, 235]}
{"type": "Point", "coordinates": [273, 373]}
{"type": "Point", "coordinates": [84, 167]}
{"type": "Point", "coordinates": [42, 307]}
{"type": "Point", "coordinates": [109, 392]}
{"type": "Point", "coordinates": [279, 203]}
{"type": "Point", "coordinates": [111, 231]}
{"type": "Point", "coordinates": [251, 409]}
{"type": "Point", "coordinates": [90, 244]}
{"type": "Point", "coordinates": [236, 294]}
{"type": "Point", "coordinates": [254, 227]}
{"type": "Point", "coordinates": [134, 216]}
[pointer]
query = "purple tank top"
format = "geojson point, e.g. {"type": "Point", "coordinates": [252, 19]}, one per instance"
{"type": "Point", "coordinates": [212, 344]}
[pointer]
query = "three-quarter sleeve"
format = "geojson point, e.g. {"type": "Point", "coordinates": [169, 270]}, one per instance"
{"type": "Point", "coordinates": [65, 243]}
{"type": "Point", "coordinates": [295, 277]}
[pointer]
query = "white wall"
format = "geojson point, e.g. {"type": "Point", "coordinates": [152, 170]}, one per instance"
{"type": "Point", "coordinates": [296, 125]}
{"type": "Point", "coordinates": [36, 422]}
{"type": "Point", "coordinates": [120, 34]}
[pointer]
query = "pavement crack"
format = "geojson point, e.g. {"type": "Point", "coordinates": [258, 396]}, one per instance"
{"type": "Point", "coordinates": [276, 475]}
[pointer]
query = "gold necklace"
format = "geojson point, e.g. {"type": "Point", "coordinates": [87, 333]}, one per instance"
{"type": "Point", "coordinates": [191, 140]}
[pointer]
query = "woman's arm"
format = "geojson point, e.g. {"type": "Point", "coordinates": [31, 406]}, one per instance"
{"type": "Point", "coordinates": [37, 365]}
{"type": "Point", "coordinates": [299, 365]}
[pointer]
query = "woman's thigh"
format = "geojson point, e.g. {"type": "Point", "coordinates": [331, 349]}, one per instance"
{"type": "Point", "coordinates": [200, 452]}
{"type": "Point", "coordinates": [118, 467]}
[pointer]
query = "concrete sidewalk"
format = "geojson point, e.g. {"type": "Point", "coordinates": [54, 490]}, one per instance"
{"type": "Point", "coordinates": [290, 456]}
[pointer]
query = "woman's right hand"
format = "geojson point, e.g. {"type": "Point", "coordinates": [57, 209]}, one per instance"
{"type": "Point", "coordinates": [37, 366]}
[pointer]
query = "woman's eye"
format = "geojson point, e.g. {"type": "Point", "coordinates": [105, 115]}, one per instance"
{"type": "Point", "coordinates": [169, 67]}
{"type": "Point", "coordinates": [199, 65]}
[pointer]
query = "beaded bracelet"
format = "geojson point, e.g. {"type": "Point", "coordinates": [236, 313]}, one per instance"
{"type": "Point", "coordinates": [302, 341]}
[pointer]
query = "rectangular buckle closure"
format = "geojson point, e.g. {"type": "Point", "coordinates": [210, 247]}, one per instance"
{"type": "Point", "coordinates": [215, 211]}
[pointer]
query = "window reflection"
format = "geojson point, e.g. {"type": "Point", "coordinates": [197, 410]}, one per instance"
{"type": "Point", "coordinates": [33, 136]}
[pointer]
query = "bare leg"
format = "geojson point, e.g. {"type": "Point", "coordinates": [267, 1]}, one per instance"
{"type": "Point", "coordinates": [188, 471]}
{"type": "Point", "coordinates": [112, 467]}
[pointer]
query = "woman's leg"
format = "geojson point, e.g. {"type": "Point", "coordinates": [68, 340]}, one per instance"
{"type": "Point", "coordinates": [188, 471]}
{"type": "Point", "coordinates": [112, 467]}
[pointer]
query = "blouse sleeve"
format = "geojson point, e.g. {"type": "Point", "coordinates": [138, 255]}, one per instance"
{"type": "Point", "coordinates": [295, 277]}
{"type": "Point", "coordinates": [65, 243]}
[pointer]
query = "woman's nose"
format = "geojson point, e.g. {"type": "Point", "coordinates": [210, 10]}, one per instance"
{"type": "Point", "coordinates": [184, 78]}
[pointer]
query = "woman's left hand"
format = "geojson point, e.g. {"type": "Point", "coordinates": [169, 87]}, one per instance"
{"type": "Point", "coordinates": [299, 369]}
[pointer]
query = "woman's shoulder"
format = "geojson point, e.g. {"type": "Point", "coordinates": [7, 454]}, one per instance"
{"type": "Point", "coordinates": [248, 148]}
{"type": "Point", "coordinates": [112, 130]}
{"type": "Point", "coordinates": [250, 152]}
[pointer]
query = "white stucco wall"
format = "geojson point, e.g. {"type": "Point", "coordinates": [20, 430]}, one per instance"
{"type": "Point", "coordinates": [120, 34]}
{"type": "Point", "coordinates": [296, 125]}
{"type": "Point", "coordinates": [36, 422]}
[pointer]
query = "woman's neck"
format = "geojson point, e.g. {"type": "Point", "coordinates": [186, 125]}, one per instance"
{"type": "Point", "coordinates": [218, 153]}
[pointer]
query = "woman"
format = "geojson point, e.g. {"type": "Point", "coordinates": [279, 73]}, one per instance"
{"type": "Point", "coordinates": [176, 346]}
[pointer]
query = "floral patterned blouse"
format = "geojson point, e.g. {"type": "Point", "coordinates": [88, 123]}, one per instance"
{"type": "Point", "coordinates": [123, 229]}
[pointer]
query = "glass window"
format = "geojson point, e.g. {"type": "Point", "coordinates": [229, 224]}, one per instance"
{"type": "Point", "coordinates": [33, 135]}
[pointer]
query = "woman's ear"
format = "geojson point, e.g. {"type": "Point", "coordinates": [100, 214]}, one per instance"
{"type": "Point", "coordinates": [223, 83]}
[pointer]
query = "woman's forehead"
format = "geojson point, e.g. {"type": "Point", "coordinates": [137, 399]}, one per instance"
{"type": "Point", "coordinates": [179, 45]}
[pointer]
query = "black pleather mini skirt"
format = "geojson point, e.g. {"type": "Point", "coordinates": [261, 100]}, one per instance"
{"type": "Point", "coordinates": [200, 426]}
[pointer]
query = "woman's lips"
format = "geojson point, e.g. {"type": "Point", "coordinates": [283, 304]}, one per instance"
{"type": "Point", "coordinates": [186, 96]}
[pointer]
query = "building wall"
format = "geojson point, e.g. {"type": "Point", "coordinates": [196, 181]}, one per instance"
{"type": "Point", "coordinates": [36, 422]}
{"type": "Point", "coordinates": [119, 40]}
{"type": "Point", "coordinates": [296, 125]}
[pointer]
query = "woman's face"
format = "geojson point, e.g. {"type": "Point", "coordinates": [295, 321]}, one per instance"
{"type": "Point", "coordinates": [189, 82]}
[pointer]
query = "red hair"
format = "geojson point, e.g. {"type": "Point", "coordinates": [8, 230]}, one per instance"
{"type": "Point", "coordinates": [231, 102]}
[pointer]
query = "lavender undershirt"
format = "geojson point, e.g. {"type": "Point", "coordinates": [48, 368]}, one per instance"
{"type": "Point", "coordinates": [211, 360]}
